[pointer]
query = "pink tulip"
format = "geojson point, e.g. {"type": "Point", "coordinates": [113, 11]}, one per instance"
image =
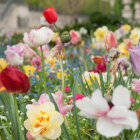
{"type": "Point", "coordinates": [136, 85]}
{"type": "Point", "coordinates": [128, 43]}
{"type": "Point", "coordinates": [67, 88]}
{"type": "Point", "coordinates": [110, 41]}
{"type": "Point", "coordinates": [36, 61]}
{"type": "Point", "coordinates": [28, 52]}
{"type": "Point", "coordinates": [75, 37]}
{"type": "Point", "coordinates": [58, 97]}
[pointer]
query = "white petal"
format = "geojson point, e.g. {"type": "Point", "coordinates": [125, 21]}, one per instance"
{"type": "Point", "coordinates": [95, 107]}
{"type": "Point", "coordinates": [39, 137]}
{"type": "Point", "coordinates": [123, 116]}
{"type": "Point", "coordinates": [106, 128]}
{"type": "Point", "coordinates": [121, 97]}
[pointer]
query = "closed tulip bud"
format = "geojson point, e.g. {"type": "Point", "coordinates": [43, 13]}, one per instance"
{"type": "Point", "coordinates": [14, 80]}
{"type": "Point", "coordinates": [50, 15]}
{"type": "Point", "coordinates": [65, 37]}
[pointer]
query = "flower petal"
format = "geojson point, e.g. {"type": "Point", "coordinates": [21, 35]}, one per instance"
{"type": "Point", "coordinates": [123, 116]}
{"type": "Point", "coordinates": [121, 97]}
{"type": "Point", "coordinates": [107, 128]}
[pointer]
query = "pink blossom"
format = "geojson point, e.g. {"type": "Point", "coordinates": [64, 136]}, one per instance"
{"type": "Point", "coordinates": [112, 117]}
{"type": "Point", "coordinates": [128, 43]}
{"type": "Point", "coordinates": [58, 97]}
{"type": "Point", "coordinates": [67, 88]}
{"type": "Point", "coordinates": [28, 135]}
{"type": "Point", "coordinates": [71, 54]}
{"type": "Point", "coordinates": [79, 96]}
{"type": "Point", "coordinates": [110, 41]}
{"type": "Point", "coordinates": [45, 50]}
{"type": "Point", "coordinates": [75, 37]}
{"type": "Point", "coordinates": [136, 85]}
{"type": "Point", "coordinates": [132, 100]}
{"type": "Point", "coordinates": [99, 67]}
{"type": "Point", "coordinates": [28, 52]}
{"type": "Point", "coordinates": [14, 54]}
{"type": "Point", "coordinates": [36, 61]}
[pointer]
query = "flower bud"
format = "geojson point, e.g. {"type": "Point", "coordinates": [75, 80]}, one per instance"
{"type": "Point", "coordinates": [65, 37]}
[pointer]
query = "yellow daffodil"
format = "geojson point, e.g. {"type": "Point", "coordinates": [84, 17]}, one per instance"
{"type": "Point", "coordinates": [44, 121]}
{"type": "Point", "coordinates": [55, 35]}
{"type": "Point", "coordinates": [29, 70]}
{"type": "Point", "coordinates": [123, 50]}
{"type": "Point", "coordinates": [134, 36]}
{"type": "Point", "coordinates": [126, 28]}
{"type": "Point", "coordinates": [99, 33]}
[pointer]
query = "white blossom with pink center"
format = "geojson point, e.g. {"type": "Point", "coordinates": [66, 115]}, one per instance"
{"type": "Point", "coordinates": [112, 118]}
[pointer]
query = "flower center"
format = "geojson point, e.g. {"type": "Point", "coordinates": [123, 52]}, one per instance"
{"type": "Point", "coordinates": [41, 121]}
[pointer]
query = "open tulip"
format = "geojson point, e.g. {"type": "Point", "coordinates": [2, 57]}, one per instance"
{"type": "Point", "coordinates": [37, 37]}
{"type": "Point", "coordinates": [135, 57]}
{"type": "Point", "coordinates": [113, 116]}
{"type": "Point", "coordinates": [14, 80]}
{"type": "Point", "coordinates": [110, 41]}
{"type": "Point", "coordinates": [75, 37]}
{"type": "Point", "coordinates": [14, 54]}
{"type": "Point", "coordinates": [50, 15]}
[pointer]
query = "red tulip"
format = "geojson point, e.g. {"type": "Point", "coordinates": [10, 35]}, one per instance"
{"type": "Point", "coordinates": [50, 15]}
{"type": "Point", "coordinates": [14, 80]}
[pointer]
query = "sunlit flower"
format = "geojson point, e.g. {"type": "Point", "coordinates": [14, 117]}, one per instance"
{"type": "Point", "coordinates": [126, 28]}
{"type": "Point", "coordinates": [99, 33]}
{"type": "Point", "coordinates": [44, 121]}
{"type": "Point", "coordinates": [29, 70]}
{"type": "Point", "coordinates": [113, 116]}
{"type": "Point", "coordinates": [134, 36]}
{"type": "Point", "coordinates": [51, 60]}
{"type": "Point", "coordinates": [54, 37]}
{"type": "Point", "coordinates": [123, 50]}
{"type": "Point", "coordinates": [83, 31]}
{"type": "Point", "coordinates": [59, 75]}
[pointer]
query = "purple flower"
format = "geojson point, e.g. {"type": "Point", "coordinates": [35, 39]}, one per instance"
{"type": "Point", "coordinates": [135, 59]}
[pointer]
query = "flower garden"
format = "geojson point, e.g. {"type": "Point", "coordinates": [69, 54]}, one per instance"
{"type": "Point", "coordinates": [70, 85]}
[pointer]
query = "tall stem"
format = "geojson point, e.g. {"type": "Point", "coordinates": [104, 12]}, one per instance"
{"type": "Point", "coordinates": [62, 73]}
{"type": "Point", "coordinates": [43, 68]}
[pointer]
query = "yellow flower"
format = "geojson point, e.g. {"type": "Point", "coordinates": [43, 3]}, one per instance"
{"type": "Point", "coordinates": [88, 75]}
{"type": "Point", "coordinates": [44, 121]}
{"type": "Point", "coordinates": [59, 75]}
{"type": "Point", "coordinates": [29, 70]}
{"type": "Point", "coordinates": [134, 36]}
{"type": "Point", "coordinates": [3, 64]}
{"type": "Point", "coordinates": [52, 61]}
{"type": "Point", "coordinates": [126, 28]}
{"type": "Point", "coordinates": [99, 34]}
{"type": "Point", "coordinates": [55, 35]}
{"type": "Point", "coordinates": [123, 50]}
{"type": "Point", "coordinates": [82, 43]}
{"type": "Point", "coordinates": [92, 45]}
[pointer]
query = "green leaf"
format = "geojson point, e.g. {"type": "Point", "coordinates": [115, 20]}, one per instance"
{"type": "Point", "coordinates": [75, 110]}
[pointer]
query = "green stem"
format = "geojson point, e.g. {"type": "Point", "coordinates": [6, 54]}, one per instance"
{"type": "Point", "coordinates": [63, 78]}
{"type": "Point", "coordinates": [43, 68]}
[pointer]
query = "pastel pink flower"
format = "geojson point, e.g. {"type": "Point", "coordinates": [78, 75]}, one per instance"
{"type": "Point", "coordinates": [36, 61]}
{"type": "Point", "coordinates": [67, 88]}
{"type": "Point", "coordinates": [28, 52]}
{"type": "Point", "coordinates": [14, 54]}
{"type": "Point", "coordinates": [128, 43]}
{"type": "Point", "coordinates": [112, 117]}
{"type": "Point", "coordinates": [110, 41]}
{"type": "Point", "coordinates": [45, 49]}
{"type": "Point", "coordinates": [136, 85]}
{"type": "Point", "coordinates": [75, 37]}
{"type": "Point", "coordinates": [58, 97]}
{"type": "Point", "coordinates": [28, 135]}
